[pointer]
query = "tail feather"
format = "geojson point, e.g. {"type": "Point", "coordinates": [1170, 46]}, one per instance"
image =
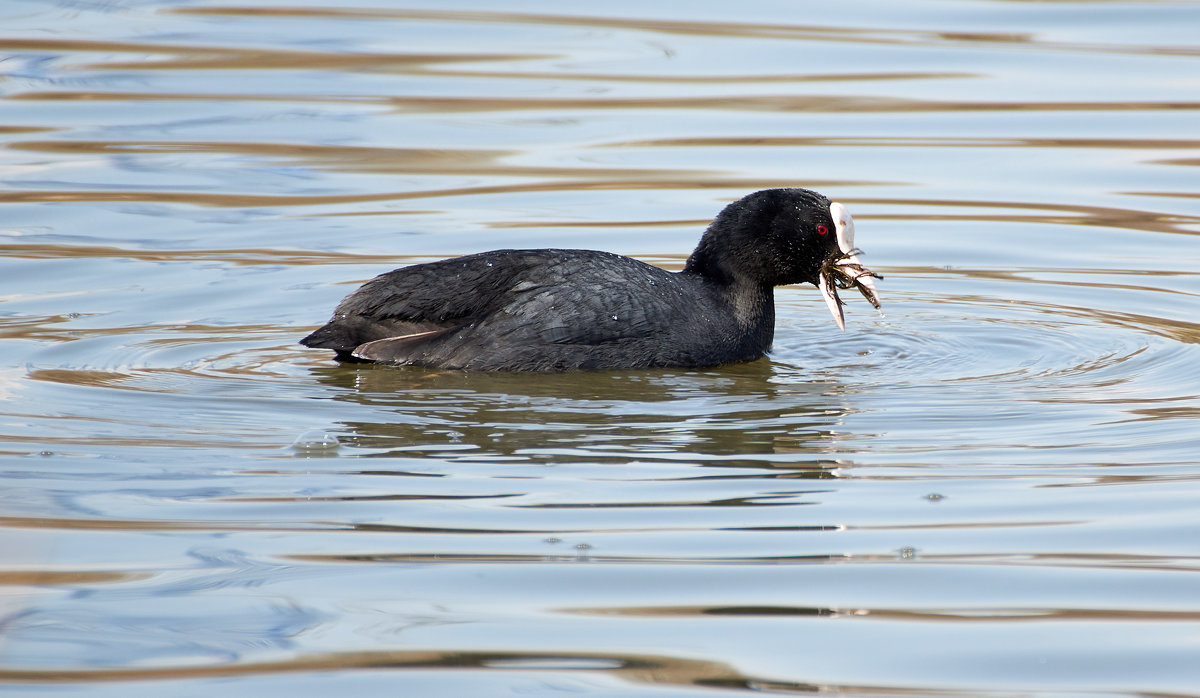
{"type": "Point", "coordinates": [398, 350]}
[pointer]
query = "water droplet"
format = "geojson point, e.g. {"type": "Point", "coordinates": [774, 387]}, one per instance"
{"type": "Point", "coordinates": [315, 442]}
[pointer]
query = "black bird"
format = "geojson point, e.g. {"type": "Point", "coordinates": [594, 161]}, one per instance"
{"type": "Point", "coordinates": [554, 310]}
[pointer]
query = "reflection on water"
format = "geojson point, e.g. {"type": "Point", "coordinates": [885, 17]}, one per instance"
{"type": "Point", "coordinates": [988, 490]}
{"type": "Point", "coordinates": [719, 414]}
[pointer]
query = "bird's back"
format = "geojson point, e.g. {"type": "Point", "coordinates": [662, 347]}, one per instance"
{"type": "Point", "coordinates": [536, 310]}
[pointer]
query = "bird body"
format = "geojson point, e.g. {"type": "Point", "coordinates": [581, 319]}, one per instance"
{"type": "Point", "coordinates": [559, 309]}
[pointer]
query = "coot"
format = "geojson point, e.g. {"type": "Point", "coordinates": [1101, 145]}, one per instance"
{"type": "Point", "coordinates": [554, 310]}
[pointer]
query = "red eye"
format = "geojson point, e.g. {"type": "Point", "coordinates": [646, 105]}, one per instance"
{"type": "Point", "coordinates": [821, 229]}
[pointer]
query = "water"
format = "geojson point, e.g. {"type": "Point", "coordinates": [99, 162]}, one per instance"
{"type": "Point", "coordinates": [991, 490]}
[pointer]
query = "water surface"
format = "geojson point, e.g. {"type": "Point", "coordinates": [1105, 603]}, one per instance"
{"type": "Point", "coordinates": [989, 490]}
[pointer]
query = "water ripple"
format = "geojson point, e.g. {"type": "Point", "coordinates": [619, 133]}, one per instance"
{"type": "Point", "coordinates": [989, 491]}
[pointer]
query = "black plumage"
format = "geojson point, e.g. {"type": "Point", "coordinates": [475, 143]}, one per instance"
{"type": "Point", "coordinates": [553, 309]}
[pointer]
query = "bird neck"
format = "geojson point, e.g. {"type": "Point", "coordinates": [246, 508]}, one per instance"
{"type": "Point", "coordinates": [753, 306]}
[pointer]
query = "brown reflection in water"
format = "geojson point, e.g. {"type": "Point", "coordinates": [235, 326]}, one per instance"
{"type": "Point", "coordinates": [622, 180]}
{"type": "Point", "coordinates": [910, 142]}
{"type": "Point", "coordinates": [696, 79]}
{"type": "Point", "coordinates": [691, 27]}
{"type": "Point", "coordinates": [588, 556]}
{"type": "Point", "coordinates": [36, 578]}
{"type": "Point", "coordinates": [110, 96]}
{"type": "Point", "coordinates": [1184, 331]}
{"type": "Point", "coordinates": [365, 498]}
{"type": "Point", "coordinates": [774, 30]}
{"type": "Point", "coordinates": [970, 615]}
{"type": "Point", "coordinates": [188, 57]}
{"type": "Point", "coordinates": [88, 443]}
{"type": "Point", "coordinates": [697, 222]}
{"type": "Point", "coordinates": [444, 161]}
{"type": "Point", "coordinates": [1009, 615]}
{"type": "Point", "coordinates": [1164, 194]}
{"type": "Point", "coordinates": [208, 333]}
{"type": "Point", "coordinates": [1099, 216]}
{"type": "Point", "coordinates": [1163, 563]}
{"type": "Point", "coordinates": [1178, 330]}
{"type": "Point", "coordinates": [1110, 561]}
{"type": "Point", "coordinates": [230, 200]}
{"type": "Point", "coordinates": [1025, 275]}
{"type": "Point", "coordinates": [1147, 414]}
{"type": "Point", "coordinates": [5, 129]}
{"type": "Point", "coordinates": [1184, 162]}
{"type": "Point", "coordinates": [248, 256]}
{"type": "Point", "coordinates": [1107, 480]}
{"type": "Point", "coordinates": [111, 524]}
{"type": "Point", "coordinates": [774, 499]}
{"type": "Point", "coordinates": [641, 668]}
{"type": "Point", "coordinates": [823, 104]}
